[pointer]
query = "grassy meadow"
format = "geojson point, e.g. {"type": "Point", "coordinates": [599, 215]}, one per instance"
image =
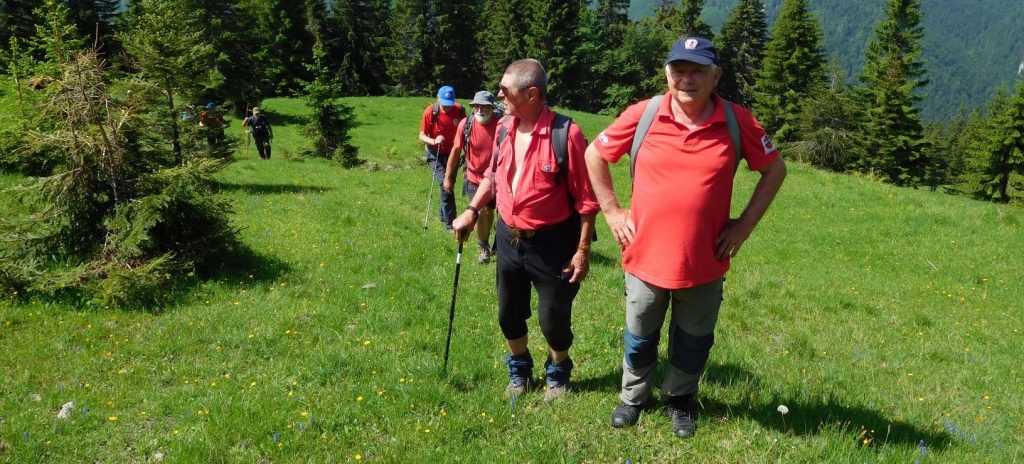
{"type": "Point", "coordinates": [887, 320]}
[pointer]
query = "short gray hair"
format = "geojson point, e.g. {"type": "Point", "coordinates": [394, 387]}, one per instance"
{"type": "Point", "coordinates": [529, 73]}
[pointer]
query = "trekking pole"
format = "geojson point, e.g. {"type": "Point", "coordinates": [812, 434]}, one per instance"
{"type": "Point", "coordinates": [430, 188]}
{"type": "Point", "coordinates": [451, 312]}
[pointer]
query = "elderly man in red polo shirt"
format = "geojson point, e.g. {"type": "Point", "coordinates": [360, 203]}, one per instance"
{"type": "Point", "coordinates": [677, 237]}
{"type": "Point", "coordinates": [546, 219]}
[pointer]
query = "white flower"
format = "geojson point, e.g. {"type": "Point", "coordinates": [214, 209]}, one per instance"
{"type": "Point", "coordinates": [783, 409]}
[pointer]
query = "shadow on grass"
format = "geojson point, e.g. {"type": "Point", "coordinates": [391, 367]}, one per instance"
{"type": "Point", "coordinates": [244, 264]}
{"type": "Point", "coordinates": [608, 382]}
{"type": "Point", "coordinates": [812, 418]}
{"type": "Point", "coordinates": [270, 189]}
{"type": "Point", "coordinates": [235, 263]}
{"type": "Point", "coordinates": [599, 259]}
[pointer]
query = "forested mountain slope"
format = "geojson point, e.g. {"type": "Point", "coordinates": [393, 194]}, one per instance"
{"type": "Point", "coordinates": [971, 47]}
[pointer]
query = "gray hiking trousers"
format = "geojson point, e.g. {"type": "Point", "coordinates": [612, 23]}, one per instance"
{"type": "Point", "coordinates": [691, 335]}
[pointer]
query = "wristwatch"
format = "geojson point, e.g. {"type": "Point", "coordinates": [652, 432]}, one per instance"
{"type": "Point", "coordinates": [476, 212]}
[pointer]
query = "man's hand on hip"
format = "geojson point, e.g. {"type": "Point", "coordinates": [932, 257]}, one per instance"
{"type": "Point", "coordinates": [731, 238]}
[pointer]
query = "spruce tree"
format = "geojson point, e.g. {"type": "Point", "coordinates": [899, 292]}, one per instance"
{"type": "Point", "coordinates": [967, 153]}
{"type": "Point", "coordinates": [406, 55]}
{"type": "Point", "coordinates": [831, 124]}
{"type": "Point", "coordinates": [331, 119]}
{"type": "Point", "coordinates": [946, 139]}
{"type": "Point", "coordinates": [164, 40]}
{"type": "Point", "coordinates": [499, 36]}
{"type": "Point", "coordinates": [1003, 142]}
{"type": "Point", "coordinates": [740, 45]}
{"type": "Point", "coordinates": [19, 66]}
{"type": "Point", "coordinates": [356, 36]}
{"type": "Point", "coordinates": [453, 52]}
{"type": "Point", "coordinates": [553, 39]}
{"type": "Point", "coordinates": [603, 33]}
{"type": "Point", "coordinates": [118, 224]}
{"type": "Point", "coordinates": [17, 19]}
{"type": "Point", "coordinates": [692, 24]}
{"type": "Point", "coordinates": [612, 13]}
{"type": "Point", "coordinates": [635, 67]}
{"type": "Point", "coordinates": [291, 44]}
{"type": "Point", "coordinates": [792, 68]}
{"type": "Point", "coordinates": [938, 172]}
{"type": "Point", "coordinates": [236, 76]}
{"type": "Point", "coordinates": [90, 16]}
{"type": "Point", "coordinates": [56, 37]}
{"type": "Point", "coordinates": [668, 15]}
{"type": "Point", "coordinates": [893, 72]}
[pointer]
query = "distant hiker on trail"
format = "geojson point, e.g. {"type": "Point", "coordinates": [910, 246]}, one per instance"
{"type": "Point", "coordinates": [546, 209]}
{"type": "Point", "coordinates": [475, 139]}
{"type": "Point", "coordinates": [677, 237]}
{"type": "Point", "coordinates": [213, 120]}
{"type": "Point", "coordinates": [262, 133]}
{"type": "Point", "coordinates": [437, 132]}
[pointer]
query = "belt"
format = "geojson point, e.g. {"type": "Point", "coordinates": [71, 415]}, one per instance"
{"type": "Point", "coordinates": [520, 234]}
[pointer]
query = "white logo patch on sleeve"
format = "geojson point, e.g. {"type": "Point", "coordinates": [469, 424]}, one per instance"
{"type": "Point", "coordinates": [603, 138]}
{"type": "Point", "coordinates": [766, 142]}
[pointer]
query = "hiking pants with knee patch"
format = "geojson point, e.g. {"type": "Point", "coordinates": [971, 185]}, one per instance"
{"type": "Point", "coordinates": [691, 335]}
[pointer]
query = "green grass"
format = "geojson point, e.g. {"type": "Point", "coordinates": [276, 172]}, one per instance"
{"type": "Point", "coordinates": [880, 316]}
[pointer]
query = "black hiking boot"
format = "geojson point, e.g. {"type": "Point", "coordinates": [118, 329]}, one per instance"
{"type": "Point", "coordinates": [627, 415]}
{"type": "Point", "coordinates": [682, 411]}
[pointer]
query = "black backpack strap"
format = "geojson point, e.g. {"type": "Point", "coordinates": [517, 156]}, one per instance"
{"type": "Point", "coordinates": [560, 144]}
{"type": "Point", "coordinates": [560, 141]}
{"type": "Point", "coordinates": [466, 131]}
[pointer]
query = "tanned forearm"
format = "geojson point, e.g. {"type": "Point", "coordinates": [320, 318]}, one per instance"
{"type": "Point", "coordinates": [764, 193]}
{"type": "Point", "coordinates": [601, 180]}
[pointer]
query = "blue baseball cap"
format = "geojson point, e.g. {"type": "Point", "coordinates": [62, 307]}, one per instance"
{"type": "Point", "coordinates": [210, 105]}
{"type": "Point", "coordinates": [447, 95]}
{"type": "Point", "coordinates": [695, 49]}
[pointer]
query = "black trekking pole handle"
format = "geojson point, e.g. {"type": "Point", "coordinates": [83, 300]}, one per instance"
{"type": "Point", "coordinates": [451, 312]}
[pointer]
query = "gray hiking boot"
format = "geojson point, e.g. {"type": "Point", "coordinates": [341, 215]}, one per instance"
{"type": "Point", "coordinates": [556, 376]}
{"type": "Point", "coordinates": [520, 370]}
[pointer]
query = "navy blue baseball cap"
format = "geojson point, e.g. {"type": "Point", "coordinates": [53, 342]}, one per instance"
{"type": "Point", "coordinates": [696, 49]}
{"type": "Point", "coordinates": [447, 95]}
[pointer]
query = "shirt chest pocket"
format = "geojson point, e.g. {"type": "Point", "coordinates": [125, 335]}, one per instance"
{"type": "Point", "coordinates": [546, 174]}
